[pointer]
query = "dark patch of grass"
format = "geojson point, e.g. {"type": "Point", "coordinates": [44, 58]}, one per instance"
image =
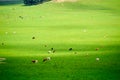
{"type": "Point", "coordinates": [66, 68]}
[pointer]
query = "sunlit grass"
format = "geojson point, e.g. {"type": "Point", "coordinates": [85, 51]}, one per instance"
{"type": "Point", "coordinates": [89, 27]}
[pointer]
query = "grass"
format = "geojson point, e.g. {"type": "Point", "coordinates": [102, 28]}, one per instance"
{"type": "Point", "coordinates": [84, 25]}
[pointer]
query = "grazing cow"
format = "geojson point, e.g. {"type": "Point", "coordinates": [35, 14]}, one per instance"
{"type": "Point", "coordinates": [33, 37]}
{"type": "Point", "coordinates": [46, 59]}
{"type": "Point", "coordinates": [49, 51]}
{"type": "Point", "coordinates": [70, 49]}
{"type": "Point", "coordinates": [2, 43]}
{"type": "Point", "coordinates": [97, 49]}
{"type": "Point", "coordinates": [2, 59]}
{"type": "Point", "coordinates": [52, 49]}
{"type": "Point", "coordinates": [45, 45]}
{"type": "Point", "coordinates": [97, 59]}
{"type": "Point", "coordinates": [34, 61]}
{"type": "Point", "coordinates": [21, 17]}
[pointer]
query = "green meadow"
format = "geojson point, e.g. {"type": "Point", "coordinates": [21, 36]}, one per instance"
{"type": "Point", "coordinates": [90, 27]}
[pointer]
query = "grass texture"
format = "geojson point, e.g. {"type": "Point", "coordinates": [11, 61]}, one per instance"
{"type": "Point", "coordinates": [89, 27]}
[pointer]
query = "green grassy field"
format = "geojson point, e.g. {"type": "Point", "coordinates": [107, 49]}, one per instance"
{"type": "Point", "coordinates": [85, 26]}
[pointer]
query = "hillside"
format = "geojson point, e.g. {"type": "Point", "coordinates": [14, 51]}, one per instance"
{"type": "Point", "coordinates": [60, 40]}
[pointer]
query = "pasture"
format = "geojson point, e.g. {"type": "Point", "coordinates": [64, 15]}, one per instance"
{"type": "Point", "coordinates": [85, 37]}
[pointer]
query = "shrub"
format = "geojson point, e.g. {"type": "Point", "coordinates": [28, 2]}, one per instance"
{"type": "Point", "coordinates": [32, 2]}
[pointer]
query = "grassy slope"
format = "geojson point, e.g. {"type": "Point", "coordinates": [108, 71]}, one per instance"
{"type": "Point", "coordinates": [84, 26]}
